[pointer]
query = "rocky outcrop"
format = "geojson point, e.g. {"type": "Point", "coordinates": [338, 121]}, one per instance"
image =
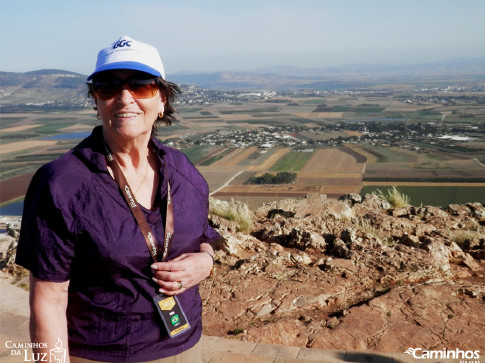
{"type": "Point", "coordinates": [8, 242]}
{"type": "Point", "coordinates": [353, 274]}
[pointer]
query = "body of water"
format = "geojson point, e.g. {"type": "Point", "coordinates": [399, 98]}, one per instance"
{"type": "Point", "coordinates": [69, 136]}
{"type": "Point", "coordinates": [12, 209]}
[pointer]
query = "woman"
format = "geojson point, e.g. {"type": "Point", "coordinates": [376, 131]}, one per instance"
{"type": "Point", "coordinates": [116, 227]}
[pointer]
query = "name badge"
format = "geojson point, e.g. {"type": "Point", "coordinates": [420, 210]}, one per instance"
{"type": "Point", "coordinates": [172, 315]}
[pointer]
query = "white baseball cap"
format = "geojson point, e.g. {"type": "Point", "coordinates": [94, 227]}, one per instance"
{"type": "Point", "coordinates": [128, 53]}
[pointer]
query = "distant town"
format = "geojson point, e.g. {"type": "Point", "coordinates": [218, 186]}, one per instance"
{"type": "Point", "coordinates": [374, 133]}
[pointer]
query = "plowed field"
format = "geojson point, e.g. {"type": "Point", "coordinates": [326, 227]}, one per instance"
{"type": "Point", "coordinates": [24, 145]}
{"type": "Point", "coordinates": [332, 160]}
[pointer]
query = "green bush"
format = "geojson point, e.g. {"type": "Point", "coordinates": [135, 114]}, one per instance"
{"type": "Point", "coordinates": [283, 177]}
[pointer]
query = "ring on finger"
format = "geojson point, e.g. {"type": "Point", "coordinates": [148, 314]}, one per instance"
{"type": "Point", "coordinates": [181, 285]}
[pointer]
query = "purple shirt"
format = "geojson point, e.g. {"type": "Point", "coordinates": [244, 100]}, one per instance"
{"type": "Point", "coordinates": [77, 226]}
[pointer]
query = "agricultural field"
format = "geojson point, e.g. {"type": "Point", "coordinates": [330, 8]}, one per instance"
{"type": "Point", "coordinates": [403, 165]}
{"type": "Point", "coordinates": [437, 195]}
{"type": "Point", "coordinates": [320, 138]}
{"type": "Point", "coordinates": [326, 171]}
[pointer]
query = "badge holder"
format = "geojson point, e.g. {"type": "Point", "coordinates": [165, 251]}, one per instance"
{"type": "Point", "coordinates": [168, 307]}
{"type": "Point", "coordinates": [172, 315]}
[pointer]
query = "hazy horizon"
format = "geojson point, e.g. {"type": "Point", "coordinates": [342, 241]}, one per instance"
{"type": "Point", "coordinates": [243, 36]}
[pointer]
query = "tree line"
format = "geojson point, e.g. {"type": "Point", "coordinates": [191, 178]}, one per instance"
{"type": "Point", "coordinates": [283, 177]}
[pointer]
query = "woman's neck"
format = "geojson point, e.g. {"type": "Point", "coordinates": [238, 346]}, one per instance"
{"type": "Point", "coordinates": [130, 153]}
{"type": "Point", "coordinates": [139, 166]}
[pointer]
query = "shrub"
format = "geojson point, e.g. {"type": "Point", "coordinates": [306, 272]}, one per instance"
{"type": "Point", "coordinates": [394, 197]}
{"type": "Point", "coordinates": [463, 238]}
{"type": "Point", "coordinates": [368, 228]}
{"type": "Point", "coordinates": [234, 211]}
{"type": "Point", "coordinates": [283, 177]}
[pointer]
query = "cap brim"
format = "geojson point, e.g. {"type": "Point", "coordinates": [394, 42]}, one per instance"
{"type": "Point", "coordinates": [126, 65]}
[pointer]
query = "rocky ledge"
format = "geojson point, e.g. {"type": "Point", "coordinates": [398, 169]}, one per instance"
{"type": "Point", "coordinates": [353, 274]}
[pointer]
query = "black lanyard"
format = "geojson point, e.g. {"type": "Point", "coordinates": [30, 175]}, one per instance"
{"type": "Point", "coordinates": [138, 214]}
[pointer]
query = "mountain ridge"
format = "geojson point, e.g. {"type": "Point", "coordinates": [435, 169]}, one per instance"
{"type": "Point", "coordinates": [284, 76]}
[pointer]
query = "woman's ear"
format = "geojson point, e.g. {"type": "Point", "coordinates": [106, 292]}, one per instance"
{"type": "Point", "coordinates": [163, 100]}
{"type": "Point", "coordinates": [163, 96]}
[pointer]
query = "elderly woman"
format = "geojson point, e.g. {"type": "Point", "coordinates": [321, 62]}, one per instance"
{"type": "Point", "coordinates": [115, 232]}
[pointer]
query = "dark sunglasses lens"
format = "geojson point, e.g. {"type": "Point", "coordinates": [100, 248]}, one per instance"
{"type": "Point", "coordinates": [143, 88]}
{"type": "Point", "coordinates": [108, 90]}
{"type": "Point", "coordinates": [139, 88]}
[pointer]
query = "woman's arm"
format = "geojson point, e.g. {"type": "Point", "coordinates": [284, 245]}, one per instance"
{"type": "Point", "coordinates": [48, 322]}
{"type": "Point", "coordinates": [207, 248]}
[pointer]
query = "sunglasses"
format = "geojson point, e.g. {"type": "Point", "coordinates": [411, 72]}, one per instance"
{"type": "Point", "coordinates": [139, 88]}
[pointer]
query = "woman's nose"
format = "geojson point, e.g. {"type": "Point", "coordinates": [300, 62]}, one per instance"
{"type": "Point", "coordinates": [125, 95]}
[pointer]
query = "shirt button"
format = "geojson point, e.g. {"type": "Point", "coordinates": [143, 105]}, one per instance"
{"type": "Point", "coordinates": [153, 218]}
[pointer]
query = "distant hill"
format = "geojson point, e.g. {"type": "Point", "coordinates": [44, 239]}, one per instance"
{"type": "Point", "coordinates": [338, 77]}
{"type": "Point", "coordinates": [49, 89]}
{"type": "Point", "coordinates": [52, 78]}
{"type": "Point", "coordinates": [54, 89]}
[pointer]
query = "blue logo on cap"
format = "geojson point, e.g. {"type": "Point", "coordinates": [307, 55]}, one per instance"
{"type": "Point", "coordinates": [122, 43]}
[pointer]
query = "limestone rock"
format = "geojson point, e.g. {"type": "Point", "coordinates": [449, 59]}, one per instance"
{"type": "Point", "coordinates": [352, 198]}
{"type": "Point", "coordinates": [353, 275]}
{"type": "Point", "coordinates": [347, 275]}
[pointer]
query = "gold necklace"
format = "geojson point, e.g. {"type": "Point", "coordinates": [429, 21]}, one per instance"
{"type": "Point", "coordinates": [143, 181]}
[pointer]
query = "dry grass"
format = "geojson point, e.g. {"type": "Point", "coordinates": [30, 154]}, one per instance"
{"type": "Point", "coordinates": [463, 237]}
{"type": "Point", "coordinates": [368, 228]}
{"type": "Point", "coordinates": [234, 211]}
{"type": "Point", "coordinates": [394, 197]}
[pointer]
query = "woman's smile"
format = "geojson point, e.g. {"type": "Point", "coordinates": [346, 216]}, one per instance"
{"type": "Point", "coordinates": [126, 114]}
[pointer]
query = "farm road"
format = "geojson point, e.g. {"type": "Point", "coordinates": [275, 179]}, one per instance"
{"type": "Point", "coordinates": [227, 182]}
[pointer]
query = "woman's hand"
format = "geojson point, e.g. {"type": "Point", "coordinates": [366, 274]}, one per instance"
{"type": "Point", "coordinates": [177, 275]}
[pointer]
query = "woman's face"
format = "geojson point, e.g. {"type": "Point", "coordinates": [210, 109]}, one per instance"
{"type": "Point", "coordinates": [124, 116]}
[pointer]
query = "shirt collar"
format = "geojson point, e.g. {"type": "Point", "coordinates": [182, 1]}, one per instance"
{"type": "Point", "coordinates": [91, 149]}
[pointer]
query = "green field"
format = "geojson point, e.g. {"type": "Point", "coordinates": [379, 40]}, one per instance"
{"type": "Point", "coordinates": [388, 154]}
{"type": "Point", "coordinates": [436, 196]}
{"type": "Point", "coordinates": [7, 121]}
{"type": "Point", "coordinates": [196, 152]}
{"type": "Point", "coordinates": [217, 157]}
{"type": "Point", "coordinates": [293, 161]}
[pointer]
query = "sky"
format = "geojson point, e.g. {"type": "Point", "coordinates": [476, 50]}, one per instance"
{"type": "Point", "coordinates": [225, 35]}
